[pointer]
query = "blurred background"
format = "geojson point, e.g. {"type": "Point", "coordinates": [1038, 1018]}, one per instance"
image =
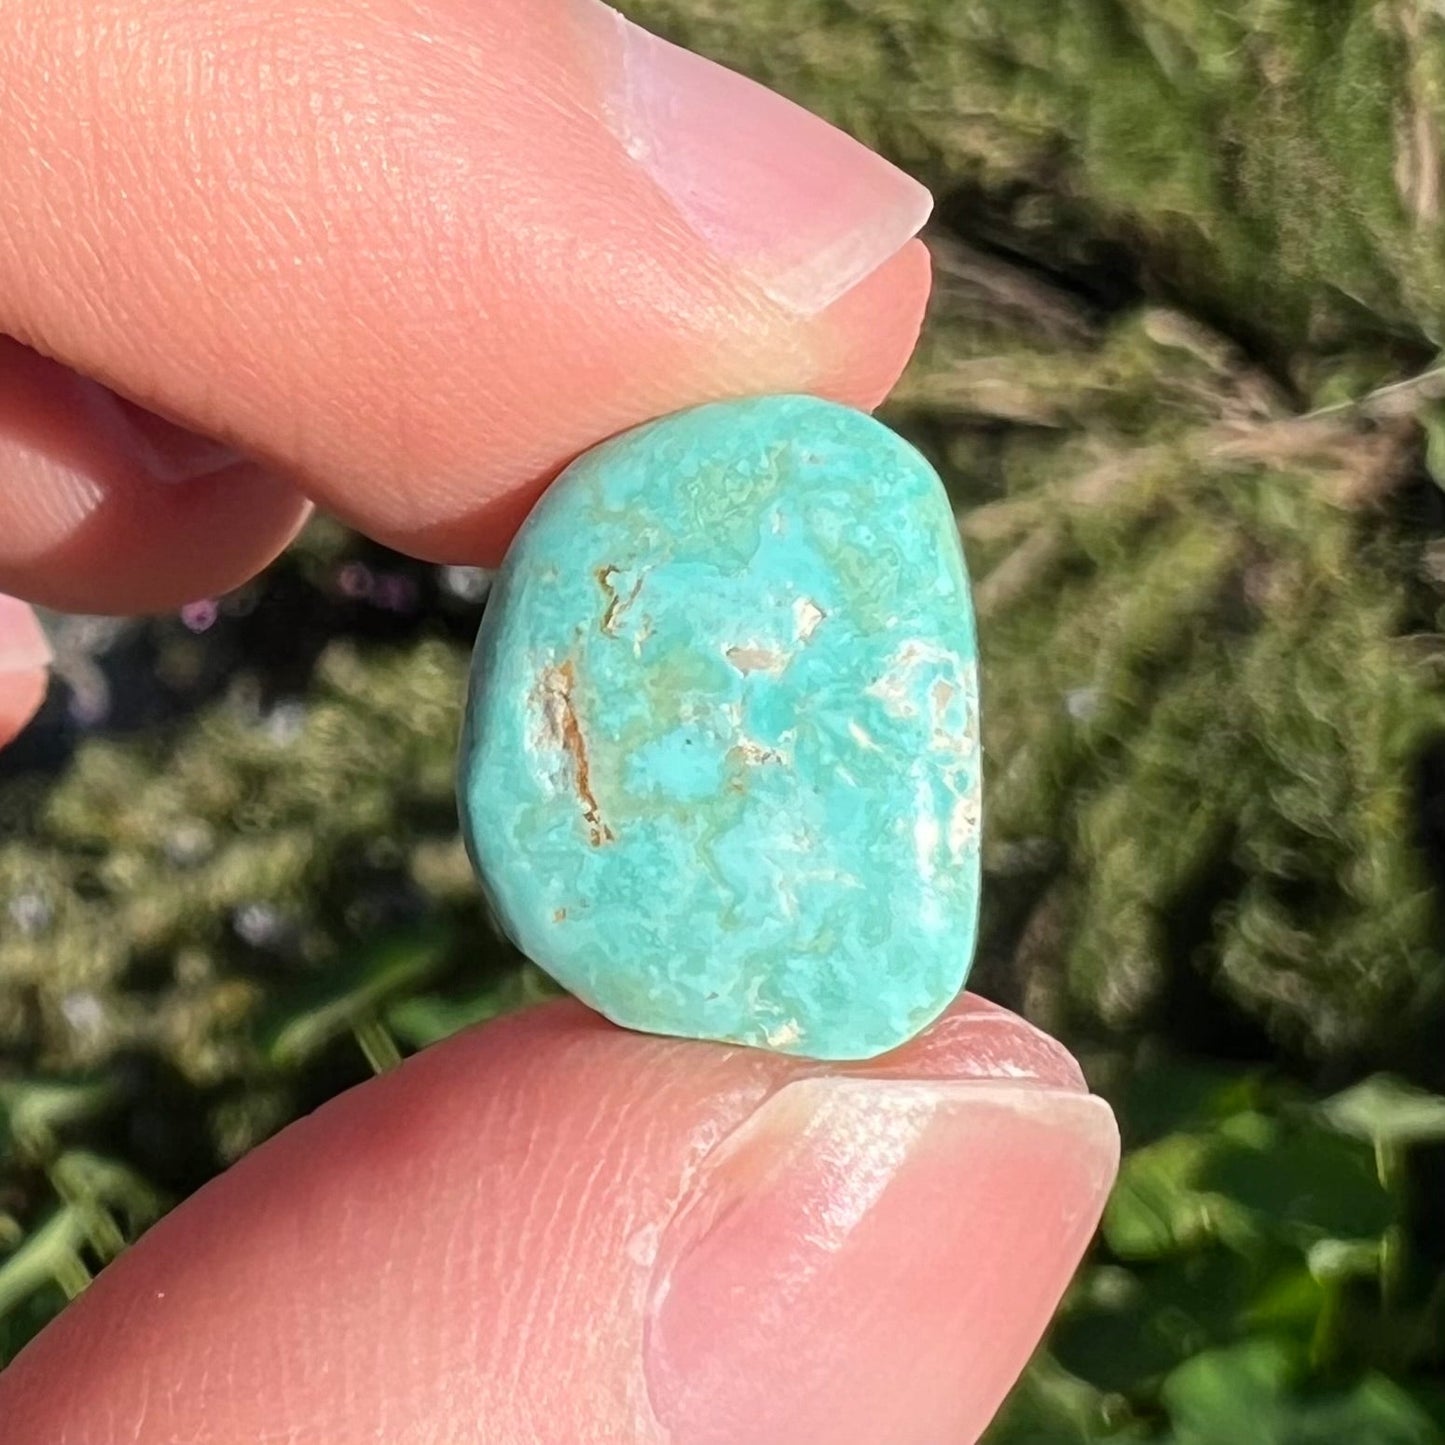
{"type": "Point", "coordinates": [1182, 376]}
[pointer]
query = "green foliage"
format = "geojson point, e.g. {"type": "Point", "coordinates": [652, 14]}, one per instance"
{"type": "Point", "coordinates": [1278, 161]}
{"type": "Point", "coordinates": [1253, 1279]}
{"type": "Point", "coordinates": [1208, 701]}
{"type": "Point", "coordinates": [96, 1203]}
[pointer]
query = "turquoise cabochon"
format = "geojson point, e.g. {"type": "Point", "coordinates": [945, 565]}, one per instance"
{"type": "Point", "coordinates": [720, 772]}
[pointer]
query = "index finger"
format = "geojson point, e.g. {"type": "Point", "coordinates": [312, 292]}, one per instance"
{"type": "Point", "coordinates": [414, 255]}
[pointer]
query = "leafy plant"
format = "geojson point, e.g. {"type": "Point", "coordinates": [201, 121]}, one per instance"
{"type": "Point", "coordinates": [1255, 1278]}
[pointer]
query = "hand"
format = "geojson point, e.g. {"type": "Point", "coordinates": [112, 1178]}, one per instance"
{"type": "Point", "coordinates": [405, 258]}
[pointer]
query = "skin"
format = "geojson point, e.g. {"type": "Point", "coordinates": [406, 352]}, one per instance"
{"type": "Point", "coordinates": [390, 259]}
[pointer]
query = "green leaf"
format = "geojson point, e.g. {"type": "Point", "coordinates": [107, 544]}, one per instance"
{"type": "Point", "coordinates": [1050, 1407]}
{"type": "Point", "coordinates": [383, 971]}
{"type": "Point", "coordinates": [1172, 1095]}
{"type": "Point", "coordinates": [1385, 1110]}
{"type": "Point", "coordinates": [1302, 1184]}
{"type": "Point", "coordinates": [104, 1185]}
{"type": "Point", "coordinates": [1259, 1392]}
{"type": "Point", "coordinates": [428, 1018]}
{"type": "Point", "coordinates": [1432, 419]}
{"type": "Point", "coordinates": [37, 1110]}
{"type": "Point", "coordinates": [1125, 1329]}
{"type": "Point", "coordinates": [1334, 1260]}
{"type": "Point", "coordinates": [1159, 1206]}
{"type": "Point", "coordinates": [1291, 1303]}
{"type": "Point", "coordinates": [50, 1255]}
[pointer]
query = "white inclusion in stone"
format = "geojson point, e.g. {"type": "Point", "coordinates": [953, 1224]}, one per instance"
{"type": "Point", "coordinates": [785, 1034]}
{"type": "Point", "coordinates": [863, 738]}
{"type": "Point", "coordinates": [753, 995]}
{"type": "Point", "coordinates": [806, 617]}
{"type": "Point", "coordinates": [898, 688]}
{"type": "Point", "coordinates": [949, 736]}
{"type": "Point", "coordinates": [892, 691]}
{"type": "Point", "coordinates": [963, 822]}
{"type": "Point", "coordinates": [752, 751]}
{"type": "Point", "coordinates": [788, 901]}
{"type": "Point", "coordinates": [839, 877]}
{"type": "Point", "coordinates": [926, 833]}
{"type": "Point", "coordinates": [544, 735]}
{"type": "Point", "coordinates": [940, 695]}
{"type": "Point", "coordinates": [755, 657]}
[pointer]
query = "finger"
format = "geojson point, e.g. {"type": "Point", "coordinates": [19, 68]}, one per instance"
{"type": "Point", "coordinates": [416, 254]}
{"type": "Point", "coordinates": [92, 515]}
{"type": "Point", "coordinates": [24, 667]}
{"type": "Point", "coordinates": [550, 1230]}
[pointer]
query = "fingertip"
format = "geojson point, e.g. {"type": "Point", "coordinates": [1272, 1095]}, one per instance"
{"type": "Point", "coordinates": [873, 330]}
{"type": "Point", "coordinates": [24, 648]}
{"type": "Point", "coordinates": [875, 1252]}
{"type": "Point", "coordinates": [21, 695]}
{"type": "Point", "coordinates": [24, 667]}
{"type": "Point", "coordinates": [109, 508]}
{"type": "Point", "coordinates": [796, 206]}
{"type": "Point", "coordinates": [143, 548]}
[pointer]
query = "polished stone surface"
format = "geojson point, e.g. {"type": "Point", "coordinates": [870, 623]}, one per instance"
{"type": "Point", "coordinates": [720, 771]}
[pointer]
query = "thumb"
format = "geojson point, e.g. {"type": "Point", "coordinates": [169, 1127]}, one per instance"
{"type": "Point", "coordinates": [548, 1230]}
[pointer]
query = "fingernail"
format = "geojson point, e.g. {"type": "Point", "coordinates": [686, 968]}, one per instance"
{"type": "Point", "coordinates": [804, 209]}
{"type": "Point", "coordinates": [166, 452]}
{"type": "Point", "coordinates": [23, 645]}
{"type": "Point", "coordinates": [871, 1260]}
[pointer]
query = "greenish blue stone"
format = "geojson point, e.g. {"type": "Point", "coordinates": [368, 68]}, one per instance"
{"type": "Point", "coordinates": [720, 771]}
